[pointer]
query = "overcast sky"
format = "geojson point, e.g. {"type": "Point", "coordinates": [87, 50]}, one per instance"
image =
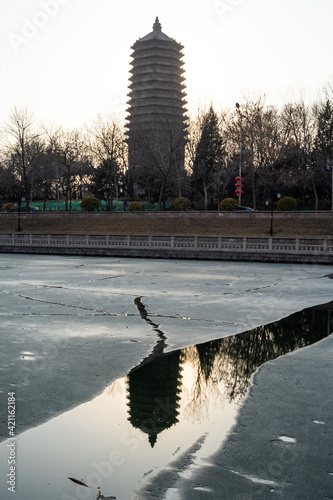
{"type": "Point", "coordinates": [67, 60]}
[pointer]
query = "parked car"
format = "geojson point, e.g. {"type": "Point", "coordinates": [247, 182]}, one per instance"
{"type": "Point", "coordinates": [244, 209]}
{"type": "Point", "coordinates": [24, 209]}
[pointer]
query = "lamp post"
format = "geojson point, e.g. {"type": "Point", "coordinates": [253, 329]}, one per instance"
{"type": "Point", "coordinates": [240, 154]}
{"type": "Point", "coordinates": [18, 197]}
{"type": "Point", "coordinates": [271, 232]}
{"type": "Point", "coordinates": [328, 167]}
{"type": "Point", "coordinates": [19, 214]}
{"type": "Point", "coordinates": [272, 216]}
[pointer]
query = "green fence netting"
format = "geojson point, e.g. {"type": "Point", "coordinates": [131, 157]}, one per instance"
{"type": "Point", "coordinates": [75, 206]}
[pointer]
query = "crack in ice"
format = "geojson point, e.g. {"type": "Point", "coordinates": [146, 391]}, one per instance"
{"type": "Point", "coordinates": [73, 289]}
{"type": "Point", "coordinates": [56, 303]}
{"type": "Point", "coordinates": [114, 277]}
{"type": "Point", "coordinates": [160, 344]}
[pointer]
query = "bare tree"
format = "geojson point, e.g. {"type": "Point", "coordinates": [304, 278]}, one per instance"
{"type": "Point", "coordinates": [299, 125]}
{"type": "Point", "coordinates": [107, 144]}
{"type": "Point", "coordinates": [255, 130]}
{"type": "Point", "coordinates": [23, 147]}
{"type": "Point", "coordinates": [158, 157]}
{"type": "Point", "coordinates": [68, 152]}
{"type": "Point", "coordinates": [328, 91]}
{"type": "Point", "coordinates": [322, 152]}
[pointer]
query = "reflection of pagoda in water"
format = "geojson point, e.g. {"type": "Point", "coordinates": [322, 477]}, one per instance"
{"type": "Point", "coordinates": [153, 394]}
{"type": "Point", "coordinates": [218, 371]}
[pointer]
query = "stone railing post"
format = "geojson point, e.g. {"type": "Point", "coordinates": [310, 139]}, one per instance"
{"type": "Point", "coordinates": [297, 245]}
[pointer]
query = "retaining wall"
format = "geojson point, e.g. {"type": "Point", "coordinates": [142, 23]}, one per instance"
{"type": "Point", "coordinates": [265, 249]}
{"type": "Point", "coordinates": [196, 214]}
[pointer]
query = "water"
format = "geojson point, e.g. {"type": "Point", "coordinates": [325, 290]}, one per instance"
{"type": "Point", "coordinates": [168, 414]}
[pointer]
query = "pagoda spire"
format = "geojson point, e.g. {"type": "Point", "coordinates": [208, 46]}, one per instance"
{"type": "Point", "coordinates": [157, 25]}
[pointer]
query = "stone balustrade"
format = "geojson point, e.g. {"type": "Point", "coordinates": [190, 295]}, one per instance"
{"type": "Point", "coordinates": [269, 249]}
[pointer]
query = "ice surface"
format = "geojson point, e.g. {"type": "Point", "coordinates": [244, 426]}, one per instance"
{"type": "Point", "coordinates": [72, 325]}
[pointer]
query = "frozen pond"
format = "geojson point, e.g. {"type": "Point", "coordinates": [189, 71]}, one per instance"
{"type": "Point", "coordinates": [138, 362]}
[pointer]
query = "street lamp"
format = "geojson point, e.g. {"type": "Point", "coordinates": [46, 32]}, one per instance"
{"type": "Point", "coordinates": [18, 197]}
{"type": "Point", "coordinates": [240, 155]}
{"type": "Point", "coordinates": [272, 210]}
{"type": "Point", "coordinates": [19, 214]}
{"type": "Point", "coordinates": [328, 167]}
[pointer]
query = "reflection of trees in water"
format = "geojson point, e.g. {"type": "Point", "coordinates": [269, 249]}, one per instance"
{"type": "Point", "coordinates": [207, 353]}
{"type": "Point", "coordinates": [237, 358]}
{"type": "Point", "coordinates": [215, 371]}
{"type": "Point", "coordinates": [153, 394]}
{"type": "Point", "coordinates": [199, 381]}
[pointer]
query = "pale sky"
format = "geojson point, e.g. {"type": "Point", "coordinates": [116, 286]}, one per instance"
{"type": "Point", "coordinates": [67, 60]}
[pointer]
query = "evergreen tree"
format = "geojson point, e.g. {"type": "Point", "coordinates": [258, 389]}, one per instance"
{"type": "Point", "coordinates": [209, 156]}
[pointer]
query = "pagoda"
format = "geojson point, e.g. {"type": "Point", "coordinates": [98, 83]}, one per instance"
{"type": "Point", "coordinates": [156, 112]}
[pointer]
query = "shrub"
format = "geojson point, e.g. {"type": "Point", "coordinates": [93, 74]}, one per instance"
{"type": "Point", "coordinates": [8, 207]}
{"type": "Point", "coordinates": [135, 206]}
{"type": "Point", "coordinates": [90, 203]}
{"type": "Point", "coordinates": [287, 203]}
{"type": "Point", "coordinates": [228, 204]}
{"type": "Point", "coordinates": [182, 203]}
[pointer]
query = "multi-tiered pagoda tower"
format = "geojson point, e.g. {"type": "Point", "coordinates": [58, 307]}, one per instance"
{"type": "Point", "coordinates": [157, 120]}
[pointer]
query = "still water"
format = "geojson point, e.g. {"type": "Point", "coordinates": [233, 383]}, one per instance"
{"type": "Point", "coordinates": [169, 413]}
